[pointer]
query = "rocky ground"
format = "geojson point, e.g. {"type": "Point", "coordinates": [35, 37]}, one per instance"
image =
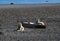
{"type": "Point", "coordinates": [9, 18]}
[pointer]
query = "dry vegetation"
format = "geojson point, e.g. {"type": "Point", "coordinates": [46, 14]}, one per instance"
{"type": "Point", "coordinates": [9, 18]}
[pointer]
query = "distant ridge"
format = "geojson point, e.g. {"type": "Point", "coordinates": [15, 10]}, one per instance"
{"type": "Point", "coordinates": [27, 5]}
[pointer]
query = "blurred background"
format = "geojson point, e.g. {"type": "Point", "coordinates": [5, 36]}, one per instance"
{"type": "Point", "coordinates": [28, 1]}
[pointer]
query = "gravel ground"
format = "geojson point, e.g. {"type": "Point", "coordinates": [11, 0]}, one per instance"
{"type": "Point", "coordinates": [9, 18]}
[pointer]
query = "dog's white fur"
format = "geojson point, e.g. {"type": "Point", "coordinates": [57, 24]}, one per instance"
{"type": "Point", "coordinates": [39, 22]}
{"type": "Point", "coordinates": [21, 28]}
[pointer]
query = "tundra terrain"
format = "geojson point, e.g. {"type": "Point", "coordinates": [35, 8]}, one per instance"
{"type": "Point", "coordinates": [11, 15]}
